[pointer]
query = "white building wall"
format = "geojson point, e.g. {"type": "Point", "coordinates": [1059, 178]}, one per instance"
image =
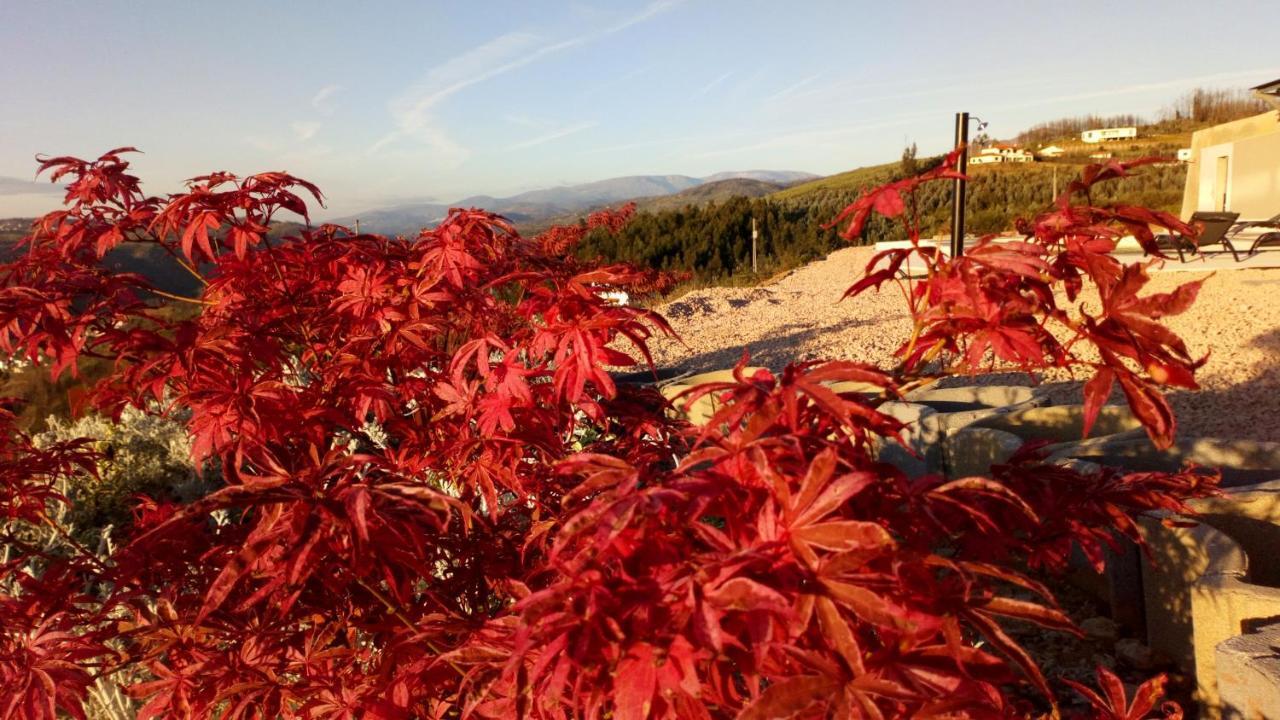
{"type": "Point", "coordinates": [1208, 172]}
{"type": "Point", "coordinates": [1255, 177]}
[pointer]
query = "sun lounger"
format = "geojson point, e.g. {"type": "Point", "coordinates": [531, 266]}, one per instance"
{"type": "Point", "coordinates": [1272, 237]}
{"type": "Point", "coordinates": [1213, 226]}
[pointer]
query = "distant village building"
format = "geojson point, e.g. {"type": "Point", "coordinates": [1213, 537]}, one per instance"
{"type": "Point", "coordinates": [1235, 166]}
{"type": "Point", "coordinates": [1107, 134]}
{"type": "Point", "coordinates": [1101, 156]}
{"type": "Point", "coordinates": [1001, 153]}
{"type": "Point", "coordinates": [1051, 151]}
{"type": "Point", "coordinates": [615, 297]}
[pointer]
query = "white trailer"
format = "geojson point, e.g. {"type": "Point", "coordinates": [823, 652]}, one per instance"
{"type": "Point", "coordinates": [1107, 134]}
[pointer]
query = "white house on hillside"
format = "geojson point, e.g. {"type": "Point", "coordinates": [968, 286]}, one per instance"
{"type": "Point", "coordinates": [1105, 134]}
{"type": "Point", "coordinates": [1051, 151]}
{"type": "Point", "coordinates": [1000, 153]}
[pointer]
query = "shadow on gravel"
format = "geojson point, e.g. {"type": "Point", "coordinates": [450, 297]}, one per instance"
{"type": "Point", "coordinates": [772, 352]}
{"type": "Point", "coordinates": [1246, 410]}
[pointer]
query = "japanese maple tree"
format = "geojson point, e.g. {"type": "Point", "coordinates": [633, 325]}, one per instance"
{"type": "Point", "coordinates": [432, 499]}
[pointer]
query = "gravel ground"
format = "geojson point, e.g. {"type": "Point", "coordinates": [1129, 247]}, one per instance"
{"type": "Point", "coordinates": [800, 316]}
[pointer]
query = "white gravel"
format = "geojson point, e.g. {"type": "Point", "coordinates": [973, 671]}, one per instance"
{"type": "Point", "coordinates": [800, 316]}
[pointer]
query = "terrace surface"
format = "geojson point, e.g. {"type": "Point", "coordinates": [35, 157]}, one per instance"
{"type": "Point", "coordinates": [800, 316]}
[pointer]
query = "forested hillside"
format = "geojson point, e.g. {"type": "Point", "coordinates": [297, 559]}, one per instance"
{"type": "Point", "coordinates": [714, 241]}
{"type": "Point", "coordinates": [144, 258]}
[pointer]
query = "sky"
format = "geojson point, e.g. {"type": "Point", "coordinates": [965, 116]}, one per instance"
{"type": "Point", "coordinates": [382, 103]}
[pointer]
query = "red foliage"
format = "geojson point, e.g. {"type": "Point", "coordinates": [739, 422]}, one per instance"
{"type": "Point", "coordinates": [51, 639]}
{"type": "Point", "coordinates": [433, 500]}
{"type": "Point", "coordinates": [1112, 704]}
{"type": "Point", "coordinates": [996, 303]}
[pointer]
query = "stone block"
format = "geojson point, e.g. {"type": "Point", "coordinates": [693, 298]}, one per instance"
{"type": "Point", "coordinates": [920, 451]}
{"type": "Point", "coordinates": [1242, 462]}
{"type": "Point", "coordinates": [1177, 584]}
{"type": "Point", "coordinates": [1202, 587]}
{"type": "Point", "coordinates": [993, 396]}
{"type": "Point", "coordinates": [973, 450]}
{"type": "Point", "coordinates": [1249, 675]}
{"type": "Point", "coordinates": [702, 409]}
{"type": "Point", "coordinates": [854, 386]}
{"type": "Point", "coordinates": [1061, 423]}
{"type": "Point", "coordinates": [1222, 607]}
{"type": "Point", "coordinates": [718, 376]}
{"type": "Point", "coordinates": [961, 406]}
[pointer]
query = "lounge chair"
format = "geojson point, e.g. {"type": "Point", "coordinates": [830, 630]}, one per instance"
{"type": "Point", "coordinates": [1271, 222]}
{"type": "Point", "coordinates": [1266, 238]}
{"type": "Point", "coordinates": [1271, 238]}
{"type": "Point", "coordinates": [1214, 227]}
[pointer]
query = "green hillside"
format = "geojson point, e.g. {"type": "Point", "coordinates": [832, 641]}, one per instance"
{"type": "Point", "coordinates": [713, 241]}
{"type": "Point", "coordinates": [704, 194]}
{"type": "Point", "coordinates": [717, 191]}
{"type": "Point", "coordinates": [857, 180]}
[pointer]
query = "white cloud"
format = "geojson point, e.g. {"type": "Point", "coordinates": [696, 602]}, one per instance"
{"type": "Point", "coordinates": [833, 137]}
{"type": "Point", "coordinates": [304, 131]}
{"type": "Point", "coordinates": [261, 144]}
{"type": "Point", "coordinates": [1136, 88]}
{"type": "Point", "coordinates": [792, 89]}
{"type": "Point", "coordinates": [413, 110]}
{"type": "Point", "coordinates": [714, 83]}
{"type": "Point", "coordinates": [553, 135]}
{"type": "Point", "coordinates": [526, 121]}
{"type": "Point", "coordinates": [320, 101]}
{"type": "Point", "coordinates": [651, 10]}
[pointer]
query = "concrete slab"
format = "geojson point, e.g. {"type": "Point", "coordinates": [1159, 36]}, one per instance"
{"type": "Point", "coordinates": [1249, 675]}
{"type": "Point", "coordinates": [1213, 259]}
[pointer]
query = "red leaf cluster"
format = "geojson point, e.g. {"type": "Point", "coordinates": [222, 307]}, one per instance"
{"type": "Point", "coordinates": [52, 636]}
{"type": "Point", "coordinates": [432, 499]}
{"type": "Point", "coordinates": [1113, 704]}
{"type": "Point", "coordinates": [1007, 303]}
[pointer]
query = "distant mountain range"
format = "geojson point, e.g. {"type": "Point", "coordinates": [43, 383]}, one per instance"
{"type": "Point", "coordinates": [536, 207]}
{"type": "Point", "coordinates": [18, 186]}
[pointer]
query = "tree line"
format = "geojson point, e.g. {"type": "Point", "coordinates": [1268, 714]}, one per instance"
{"type": "Point", "coordinates": [1071, 127]}
{"type": "Point", "coordinates": [1197, 107]}
{"type": "Point", "coordinates": [1215, 106]}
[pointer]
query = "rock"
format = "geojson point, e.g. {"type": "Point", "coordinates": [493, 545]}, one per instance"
{"type": "Point", "coordinates": [1101, 628]}
{"type": "Point", "coordinates": [1105, 661]}
{"type": "Point", "coordinates": [1135, 654]}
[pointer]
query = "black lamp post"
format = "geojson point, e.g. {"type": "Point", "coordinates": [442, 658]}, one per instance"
{"type": "Point", "coordinates": [958, 189]}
